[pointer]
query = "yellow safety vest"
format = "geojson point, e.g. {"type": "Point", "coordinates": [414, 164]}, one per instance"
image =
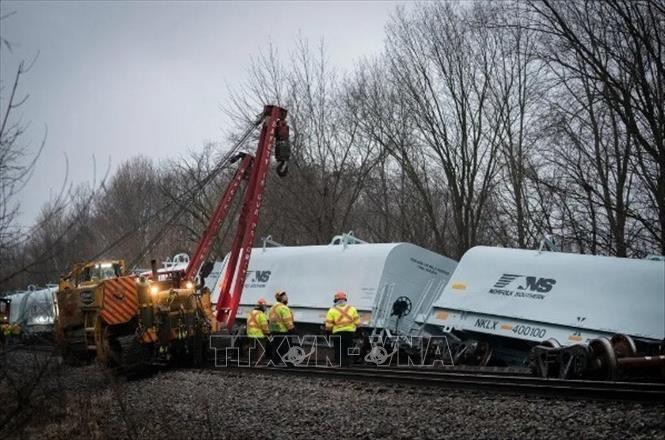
{"type": "Point", "coordinates": [257, 324]}
{"type": "Point", "coordinates": [342, 319]}
{"type": "Point", "coordinates": [281, 318]}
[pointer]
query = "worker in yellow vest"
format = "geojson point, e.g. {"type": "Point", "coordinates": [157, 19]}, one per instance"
{"type": "Point", "coordinates": [281, 325]}
{"type": "Point", "coordinates": [342, 320]}
{"type": "Point", "coordinates": [258, 331]}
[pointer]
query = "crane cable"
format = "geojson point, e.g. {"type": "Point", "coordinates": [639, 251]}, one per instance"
{"type": "Point", "coordinates": [226, 159]}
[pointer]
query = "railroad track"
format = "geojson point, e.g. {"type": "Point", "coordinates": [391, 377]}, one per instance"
{"type": "Point", "coordinates": [480, 381]}
{"type": "Point", "coordinates": [498, 371]}
{"type": "Point", "coordinates": [514, 381]}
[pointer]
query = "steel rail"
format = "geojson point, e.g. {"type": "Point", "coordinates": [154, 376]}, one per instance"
{"type": "Point", "coordinates": [487, 379]}
{"type": "Point", "coordinates": [498, 371]}
{"type": "Point", "coordinates": [520, 384]}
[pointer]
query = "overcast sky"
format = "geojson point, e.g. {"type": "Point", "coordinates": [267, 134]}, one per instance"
{"type": "Point", "coordinates": [115, 79]}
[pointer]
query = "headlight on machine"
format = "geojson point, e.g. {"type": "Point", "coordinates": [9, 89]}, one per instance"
{"type": "Point", "coordinates": [154, 290]}
{"type": "Point", "coordinates": [189, 285]}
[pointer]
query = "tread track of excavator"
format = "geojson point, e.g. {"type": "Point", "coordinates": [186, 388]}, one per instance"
{"type": "Point", "coordinates": [76, 351]}
{"type": "Point", "coordinates": [135, 358]}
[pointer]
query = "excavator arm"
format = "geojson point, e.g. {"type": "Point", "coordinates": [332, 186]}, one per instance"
{"type": "Point", "coordinates": [253, 170]}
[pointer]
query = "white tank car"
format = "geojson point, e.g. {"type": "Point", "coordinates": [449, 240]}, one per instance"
{"type": "Point", "coordinates": [34, 309]}
{"type": "Point", "coordinates": [15, 310]}
{"type": "Point", "coordinates": [374, 275]}
{"type": "Point", "coordinates": [536, 295]}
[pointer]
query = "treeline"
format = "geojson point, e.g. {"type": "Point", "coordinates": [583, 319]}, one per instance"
{"type": "Point", "coordinates": [479, 123]}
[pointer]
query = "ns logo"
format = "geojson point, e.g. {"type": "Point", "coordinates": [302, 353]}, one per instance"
{"type": "Point", "coordinates": [259, 276]}
{"type": "Point", "coordinates": [531, 283]}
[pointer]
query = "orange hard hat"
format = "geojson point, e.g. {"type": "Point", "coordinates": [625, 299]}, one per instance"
{"type": "Point", "coordinates": [340, 296]}
{"type": "Point", "coordinates": [279, 294]}
{"type": "Point", "coordinates": [261, 302]}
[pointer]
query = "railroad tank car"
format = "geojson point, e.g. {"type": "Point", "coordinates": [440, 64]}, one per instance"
{"type": "Point", "coordinates": [391, 284]}
{"type": "Point", "coordinates": [15, 310]}
{"type": "Point", "coordinates": [514, 299]}
{"type": "Point", "coordinates": [40, 311]}
{"type": "Point", "coordinates": [33, 311]}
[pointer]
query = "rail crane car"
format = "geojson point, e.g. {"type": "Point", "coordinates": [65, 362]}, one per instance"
{"type": "Point", "coordinates": [567, 314]}
{"type": "Point", "coordinates": [392, 285]}
{"type": "Point", "coordinates": [135, 322]}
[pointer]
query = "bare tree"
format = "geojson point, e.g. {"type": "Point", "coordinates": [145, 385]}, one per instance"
{"type": "Point", "coordinates": [129, 202]}
{"type": "Point", "coordinates": [330, 161]}
{"type": "Point", "coordinates": [183, 181]}
{"type": "Point", "coordinates": [17, 157]}
{"type": "Point", "coordinates": [617, 47]}
{"type": "Point", "coordinates": [519, 91]}
{"type": "Point", "coordinates": [405, 198]}
{"type": "Point", "coordinates": [441, 61]}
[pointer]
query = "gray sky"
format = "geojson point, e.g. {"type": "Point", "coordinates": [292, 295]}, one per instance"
{"type": "Point", "coordinates": [115, 79]}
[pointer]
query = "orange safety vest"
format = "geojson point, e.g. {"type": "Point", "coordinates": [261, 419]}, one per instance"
{"type": "Point", "coordinates": [342, 319]}
{"type": "Point", "coordinates": [281, 318]}
{"type": "Point", "coordinates": [257, 324]}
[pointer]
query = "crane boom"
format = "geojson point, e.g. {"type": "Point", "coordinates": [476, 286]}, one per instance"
{"type": "Point", "coordinates": [274, 131]}
{"type": "Point", "coordinates": [216, 220]}
{"type": "Point", "coordinates": [253, 169]}
{"type": "Point", "coordinates": [147, 321]}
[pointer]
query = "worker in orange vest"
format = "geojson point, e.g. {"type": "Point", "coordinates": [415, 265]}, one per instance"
{"type": "Point", "coordinates": [342, 320]}
{"type": "Point", "coordinates": [258, 331]}
{"type": "Point", "coordinates": [281, 325]}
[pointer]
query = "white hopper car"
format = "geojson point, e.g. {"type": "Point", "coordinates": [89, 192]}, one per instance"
{"type": "Point", "coordinates": [34, 310]}
{"type": "Point", "coordinates": [511, 296]}
{"type": "Point", "coordinates": [493, 307]}
{"type": "Point", "coordinates": [374, 275]}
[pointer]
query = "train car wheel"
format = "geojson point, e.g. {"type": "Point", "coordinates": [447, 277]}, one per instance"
{"type": "Point", "coordinates": [623, 346]}
{"type": "Point", "coordinates": [485, 354]}
{"type": "Point", "coordinates": [472, 352]}
{"type": "Point", "coordinates": [551, 342]}
{"type": "Point", "coordinates": [603, 360]}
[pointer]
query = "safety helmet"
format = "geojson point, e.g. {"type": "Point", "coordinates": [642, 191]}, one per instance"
{"type": "Point", "coordinates": [340, 296]}
{"type": "Point", "coordinates": [279, 294]}
{"type": "Point", "coordinates": [261, 302]}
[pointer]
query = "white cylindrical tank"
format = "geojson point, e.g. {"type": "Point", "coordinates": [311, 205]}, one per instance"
{"type": "Point", "coordinates": [17, 306]}
{"type": "Point", "coordinates": [40, 309]}
{"type": "Point", "coordinates": [533, 295]}
{"type": "Point", "coordinates": [34, 309]}
{"type": "Point", "coordinates": [373, 275]}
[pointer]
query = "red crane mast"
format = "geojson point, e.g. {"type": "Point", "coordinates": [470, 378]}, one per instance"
{"type": "Point", "coordinates": [254, 170]}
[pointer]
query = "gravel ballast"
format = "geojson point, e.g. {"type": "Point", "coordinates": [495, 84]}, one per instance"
{"type": "Point", "coordinates": [88, 402]}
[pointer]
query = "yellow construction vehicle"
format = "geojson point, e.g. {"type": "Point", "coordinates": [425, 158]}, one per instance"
{"type": "Point", "coordinates": [135, 322]}
{"type": "Point", "coordinates": [80, 303]}
{"type": "Point", "coordinates": [127, 321]}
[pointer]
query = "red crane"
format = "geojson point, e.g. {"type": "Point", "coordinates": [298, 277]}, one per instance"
{"type": "Point", "coordinates": [253, 169]}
